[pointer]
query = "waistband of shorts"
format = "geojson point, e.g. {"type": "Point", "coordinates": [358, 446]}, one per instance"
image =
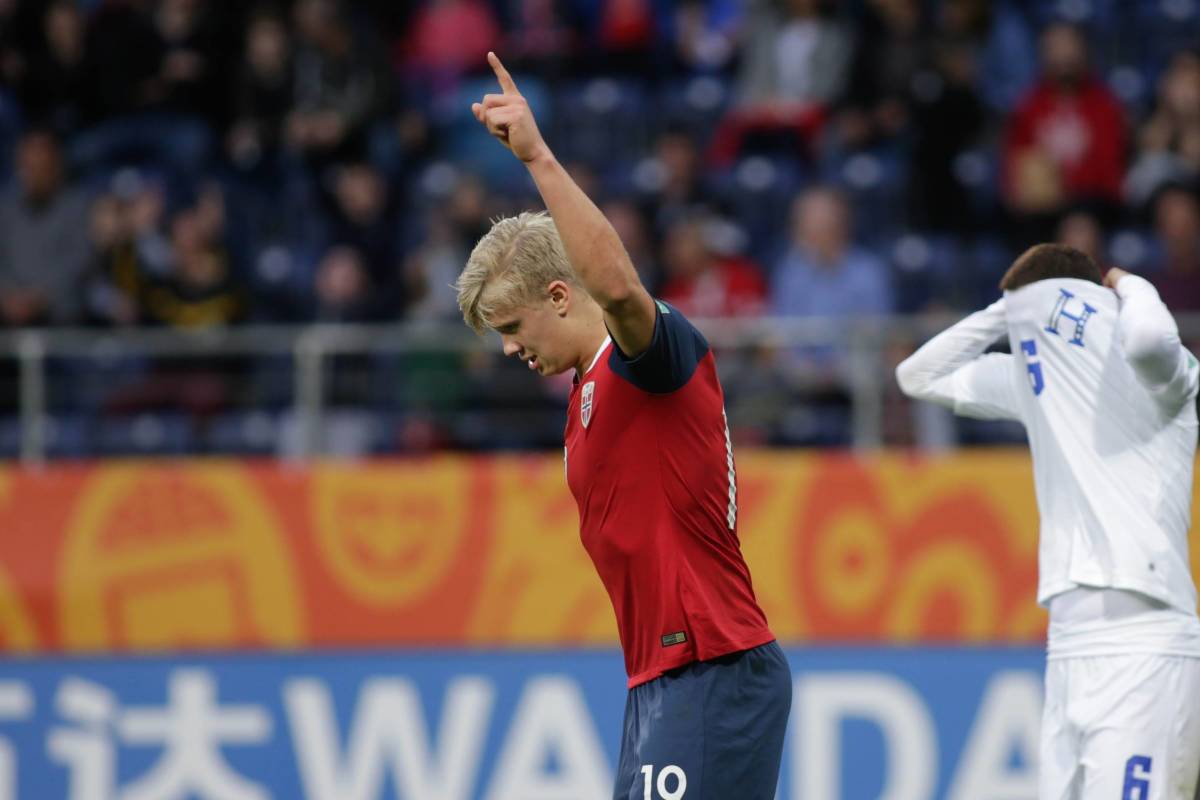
{"type": "Point", "coordinates": [1166, 632]}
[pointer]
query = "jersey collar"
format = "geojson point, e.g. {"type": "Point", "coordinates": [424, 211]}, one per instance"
{"type": "Point", "coordinates": [603, 346]}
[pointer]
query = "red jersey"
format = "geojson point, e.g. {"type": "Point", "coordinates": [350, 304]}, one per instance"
{"type": "Point", "coordinates": [651, 467]}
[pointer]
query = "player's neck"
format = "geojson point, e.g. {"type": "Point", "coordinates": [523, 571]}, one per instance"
{"type": "Point", "coordinates": [590, 344]}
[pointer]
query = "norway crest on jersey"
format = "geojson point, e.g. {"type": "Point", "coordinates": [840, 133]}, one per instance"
{"type": "Point", "coordinates": [587, 401]}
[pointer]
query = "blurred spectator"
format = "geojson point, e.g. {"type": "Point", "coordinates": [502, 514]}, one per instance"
{"type": "Point", "coordinates": [892, 46]}
{"type": "Point", "coordinates": [793, 63]}
{"type": "Point", "coordinates": [702, 283]}
{"type": "Point", "coordinates": [1177, 228]}
{"type": "Point", "coordinates": [469, 211]}
{"type": "Point", "coordinates": [823, 274]}
{"type": "Point", "coordinates": [948, 119]}
{"type": "Point", "coordinates": [123, 54]}
{"type": "Point", "coordinates": [448, 38]}
{"type": "Point", "coordinates": [1081, 230]}
{"type": "Point", "coordinates": [431, 269]}
{"type": "Point", "coordinates": [999, 39]}
{"type": "Point", "coordinates": [795, 54]}
{"type": "Point", "coordinates": [706, 34]}
{"type": "Point", "coordinates": [201, 290]}
{"type": "Point", "coordinates": [364, 216]}
{"type": "Point", "coordinates": [146, 74]}
{"type": "Point", "coordinates": [630, 224]}
{"type": "Point", "coordinates": [55, 83]}
{"type": "Point", "coordinates": [129, 250]}
{"type": "Point", "coordinates": [116, 279]}
{"type": "Point", "coordinates": [540, 38]}
{"type": "Point", "coordinates": [1169, 141]}
{"type": "Point", "coordinates": [672, 180]}
{"type": "Point", "coordinates": [262, 92]}
{"type": "Point", "coordinates": [626, 31]}
{"type": "Point", "coordinates": [13, 46]}
{"type": "Point", "coordinates": [188, 79]}
{"type": "Point", "coordinates": [451, 231]}
{"type": "Point", "coordinates": [364, 220]}
{"type": "Point", "coordinates": [1066, 140]}
{"type": "Point", "coordinates": [113, 285]}
{"type": "Point", "coordinates": [343, 288]}
{"type": "Point", "coordinates": [339, 88]}
{"type": "Point", "coordinates": [43, 237]}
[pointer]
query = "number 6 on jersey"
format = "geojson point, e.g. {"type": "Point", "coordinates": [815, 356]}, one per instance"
{"type": "Point", "coordinates": [1033, 365]}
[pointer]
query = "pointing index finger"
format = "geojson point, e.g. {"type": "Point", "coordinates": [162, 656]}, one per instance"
{"type": "Point", "coordinates": [506, 81]}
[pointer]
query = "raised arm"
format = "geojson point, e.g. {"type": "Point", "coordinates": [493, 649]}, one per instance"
{"type": "Point", "coordinates": [592, 245]}
{"type": "Point", "coordinates": [952, 370]}
{"type": "Point", "coordinates": [1150, 337]}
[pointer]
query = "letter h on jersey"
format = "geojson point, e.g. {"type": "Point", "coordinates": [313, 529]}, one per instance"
{"type": "Point", "coordinates": [1060, 311]}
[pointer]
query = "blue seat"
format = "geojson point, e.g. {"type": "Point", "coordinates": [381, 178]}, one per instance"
{"type": "Point", "coordinates": [87, 384]}
{"type": "Point", "coordinates": [142, 434]}
{"type": "Point", "coordinates": [1132, 248]}
{"type": "Point", "coordinates": [928, 267]}
{"type": "Point", "coordinates": [875, 181]}
{"type": "Point", "coordinates": [759, 192]}
{"type": "Point", "coordinates": [695, 104]}
{"type": "Point", "coordinates": [466, 143]}
{"type": "Point", "coordinates": [66, 436]}
{"type": "Point", "coordinates": [10, 437]}
{"type": "Point", "coordinates": [243, 433]}
{"type": "Point", "coordinates": [603, 119]}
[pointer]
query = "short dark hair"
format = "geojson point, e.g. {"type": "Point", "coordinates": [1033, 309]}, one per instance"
{"type": "Point", "coordinates": [1043, 261]}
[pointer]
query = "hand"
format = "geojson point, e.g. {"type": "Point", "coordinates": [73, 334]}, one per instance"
{"type": "Point", "coordinates": [1113, 275]}
{"type": "Point", "coordinates": [507, 117]}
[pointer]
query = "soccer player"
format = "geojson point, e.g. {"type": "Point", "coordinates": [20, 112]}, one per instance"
{"type": "Point", "coordinates": [650, 465]}
{"type": "Point", "coordinates": [1107, 394]}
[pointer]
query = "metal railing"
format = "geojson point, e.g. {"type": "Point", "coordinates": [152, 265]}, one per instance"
{"type": "Point", "coordinates": [861, 347]}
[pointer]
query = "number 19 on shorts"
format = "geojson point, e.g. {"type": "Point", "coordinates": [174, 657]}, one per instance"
{"type": "Point", "coordinates": [664, 775]}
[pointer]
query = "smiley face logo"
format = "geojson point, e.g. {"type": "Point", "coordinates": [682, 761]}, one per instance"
{"type": "Point", "coordinates": [390, 533]}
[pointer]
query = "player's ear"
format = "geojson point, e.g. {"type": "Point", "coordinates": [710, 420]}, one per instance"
{"type": "Point", "coordinates": [560, 296]}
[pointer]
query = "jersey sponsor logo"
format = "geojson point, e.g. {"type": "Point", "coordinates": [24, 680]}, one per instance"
{"type": "Point", "coordinates": [1060, 311]}
{"type": "Point", "coordinates": [672, 639]}
{"type": "Point", "coordinates": [587, 402]}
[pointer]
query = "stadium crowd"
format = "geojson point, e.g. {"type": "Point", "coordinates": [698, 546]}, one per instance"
{"type": "Point", "coordinates": [194, 164]}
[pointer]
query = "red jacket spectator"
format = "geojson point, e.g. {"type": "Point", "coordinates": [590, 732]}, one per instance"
{"type": "Point", "coordinates": [1066, 139]}
{"type": "Point", "coordinates": [451, 36]}
{"type": "Point", "coordinates": [701, 283]}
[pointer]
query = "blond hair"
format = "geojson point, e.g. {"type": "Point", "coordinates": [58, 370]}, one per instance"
{"type": "Point", "coordinates": [511, 266]}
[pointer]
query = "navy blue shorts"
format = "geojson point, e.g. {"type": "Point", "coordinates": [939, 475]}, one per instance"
{"type": "Point", "coordinates": [714, 728]}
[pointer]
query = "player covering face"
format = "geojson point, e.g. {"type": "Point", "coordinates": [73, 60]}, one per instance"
{"type": "Point", "coordinates": [651, 468]}
{"type": "Point", "coordinates": [1107, 395]}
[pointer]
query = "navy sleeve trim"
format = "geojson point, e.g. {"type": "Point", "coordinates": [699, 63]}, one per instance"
{"type": "Point", "coordinates": [669, 362]}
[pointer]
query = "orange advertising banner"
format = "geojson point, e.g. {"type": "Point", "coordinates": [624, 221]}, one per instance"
{"type": "Point", "coordinates": [484, 551]}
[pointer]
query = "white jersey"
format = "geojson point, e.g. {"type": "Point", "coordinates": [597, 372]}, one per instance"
{"type": "Point", "coordinates": [1106, 392]}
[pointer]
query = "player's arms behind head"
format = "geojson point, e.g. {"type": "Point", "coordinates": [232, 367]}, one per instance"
{"type": "Point", "coordinates": [1149, 336]}
{"type": "Point", "coordinates": [920, 375]}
